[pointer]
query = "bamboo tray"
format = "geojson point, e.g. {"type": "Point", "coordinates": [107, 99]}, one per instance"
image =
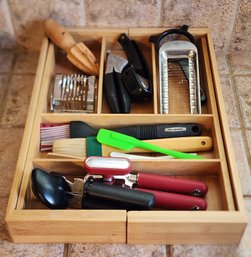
{"type": "Point", "coordinates": [223, 222]}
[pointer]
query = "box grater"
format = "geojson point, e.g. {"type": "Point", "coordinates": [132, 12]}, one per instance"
{"type": "Point", "coordinates": [179, 77]}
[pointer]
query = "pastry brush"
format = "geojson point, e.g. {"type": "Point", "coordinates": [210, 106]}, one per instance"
{"type": "Point", "coordinates": [79, 129]}
{"type": "Point", "coordinates": [82, 147]}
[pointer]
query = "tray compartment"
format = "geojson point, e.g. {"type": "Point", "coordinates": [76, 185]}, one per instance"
{"type": "Point", "coordinates": [108, 121]}
{"type": "Point", "coordinates": [207, 171]}
{"type": "Point", "coordinates": [112, 45]}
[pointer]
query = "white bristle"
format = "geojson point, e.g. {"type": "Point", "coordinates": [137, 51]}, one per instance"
{"type": "Point", "coordinates": [71, 146]}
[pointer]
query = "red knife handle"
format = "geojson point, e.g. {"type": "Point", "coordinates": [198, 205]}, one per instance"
{"type": "Point", "coordinates": [170, 184]}
{"type": "Point", "coordinates": [171, 201]}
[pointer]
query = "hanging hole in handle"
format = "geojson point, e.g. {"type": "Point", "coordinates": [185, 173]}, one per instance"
{"type": "Point", "coordinates": [203, 142]}
{"type": "Point", "coordinates": [195, 129]}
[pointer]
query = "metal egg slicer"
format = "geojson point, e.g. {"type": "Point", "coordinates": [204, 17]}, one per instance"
{"type": "Point", "coordinates": [74, 93]}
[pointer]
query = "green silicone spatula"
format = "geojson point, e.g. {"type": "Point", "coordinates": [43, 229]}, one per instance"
{"type": "Point", "coordinates": [124, 142]}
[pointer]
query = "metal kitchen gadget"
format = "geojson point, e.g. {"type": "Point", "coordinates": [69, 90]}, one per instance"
{"type": "Point", "coordinates": [74, 93]}
{"type": "Point", "coordinates": [179, 81]}
{"type": "Point", "coordinates": [110, 184]}
{"type": "Point", "coordinates": [57, 192]}
{"type": "Point", "coordinates": [114, 168]}
{"type": "Point", "coordinates": [170, 192]}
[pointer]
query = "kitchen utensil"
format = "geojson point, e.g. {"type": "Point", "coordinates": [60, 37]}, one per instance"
{"type": "Point", "coordinates": [74, 93]}
{"type": "Point", "coordinates": [49, 189]}
{"type": "Point", "coordinates": [116, 94]}
{"type": "Point", "coordinates": [168, 191]}
{"type": "Point", "coordinates": [78, 129]}
{"type": "Point", "coordinates": [77, 53]}
{"type": "Point", "coordinates": [178, 73]}
{"type": "Point", "coordinates": [137, 77]}
{"type": "Point", "coordinates": [132, 157]}
{"type": "Point", "coordinates": [126, 142]}
{"type": "Point", "coordinates": [173, 201]}
{"type": "Point", "coordinates": [120, 168]}
{"type": "Point", "coordinates": [56, 192]}
{"type": "Point", "coordinates": [81, 147]}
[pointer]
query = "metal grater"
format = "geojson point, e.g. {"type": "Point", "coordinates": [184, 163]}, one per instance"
{"type": "Point", "coordinates": [74, 93]}
{"type": "Point", "coordinates": [185, 55]}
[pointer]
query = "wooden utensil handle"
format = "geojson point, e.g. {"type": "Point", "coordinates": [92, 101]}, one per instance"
{"type": "Point", "coordinates": [184, 144]}
{"type": "Point", "coordinates": [59, 35]}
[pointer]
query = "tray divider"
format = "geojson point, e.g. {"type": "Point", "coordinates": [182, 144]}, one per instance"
{"type": "Point", "coordinates": [101, 75]}
{"type": "Point", "coordinates": [217, 130]}
{"type": "Point", "coordinates": [154, 78]}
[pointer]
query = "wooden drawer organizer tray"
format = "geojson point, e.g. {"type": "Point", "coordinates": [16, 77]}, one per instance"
{"type": "Point", "coordinates": [223, 222]}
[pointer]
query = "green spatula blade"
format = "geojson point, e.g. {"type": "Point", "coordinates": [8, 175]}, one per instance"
{"type": "Point", "coordinates": [125, 142]}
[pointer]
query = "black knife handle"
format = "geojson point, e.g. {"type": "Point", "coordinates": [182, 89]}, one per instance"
{"type": "Point", "coordinates": [111, 93]}
{"type": "Point", "coordinates": [118, 195]}
{"type": "Point", "coordinates": [123, 97]}
{"type": "Point", "coordinates": [116, 95]}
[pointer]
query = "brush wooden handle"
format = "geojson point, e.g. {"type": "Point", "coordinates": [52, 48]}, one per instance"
{"type": "Point", "coordinates": [59, 35]}
{"type": "Point", "coordinates": [184, 144]}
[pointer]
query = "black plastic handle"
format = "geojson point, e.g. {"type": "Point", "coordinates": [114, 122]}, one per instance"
{"type": "Point", "coordinates": [156, 39]}
{"type": "Point", "coordinates": [178, 130]}
{"type": "Point", "coordinates": [123, 97]}
{"type": "Point", "coordinates": [79, 129]}
{"type": "Point", "coordinates": [111, 93]}
{"type": "Point", "coordinates": [116, 95]}
{"type": "Point", "coordinates": [131, 52]}
{"type": "Point", "coordinates": [139, 88]}
{"type": "Point", "coordinates": [115, 196]}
